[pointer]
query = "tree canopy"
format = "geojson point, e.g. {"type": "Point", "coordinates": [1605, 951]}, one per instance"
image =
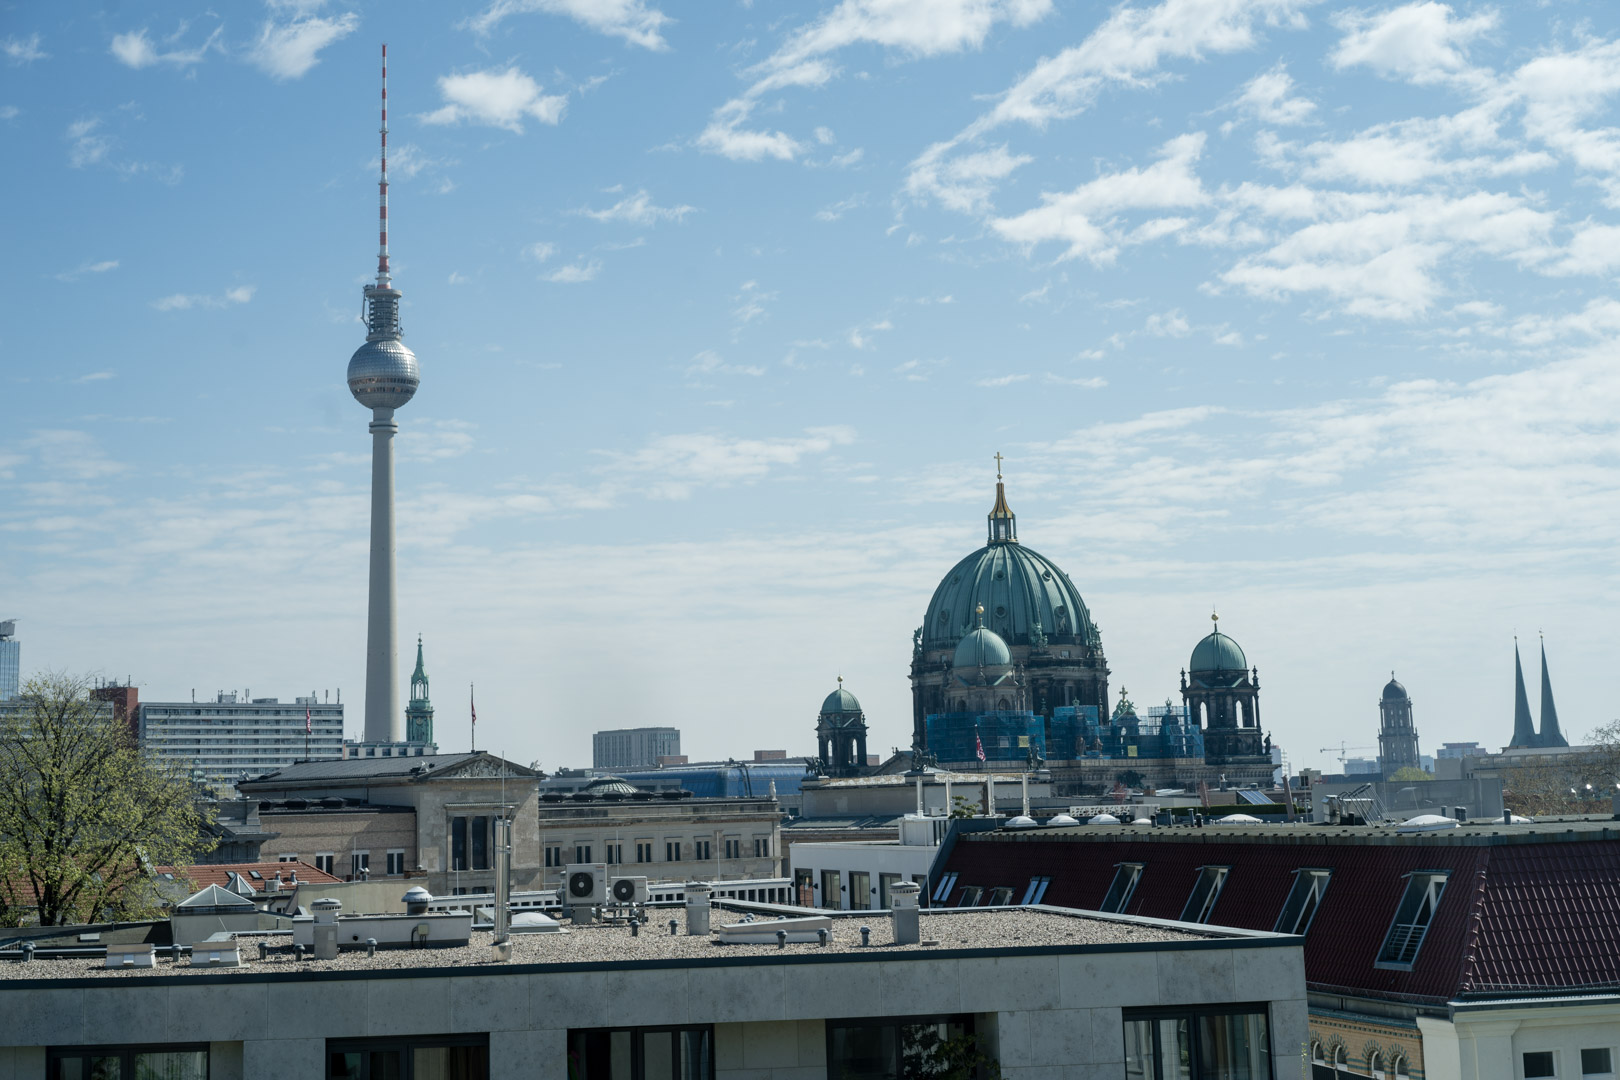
{"type": "Point", "coordinates": [84, 813]}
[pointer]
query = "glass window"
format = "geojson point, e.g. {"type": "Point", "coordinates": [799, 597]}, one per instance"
{"type": "Point", "coordinates": [885, 883]}
{"type": "Point", "coordinates": [430, 1057]}
{"type": "Point", "coordinates": [682, 1053]}
{"type": "Point", "coordinates": [1412, 917]}
{"type": "Point", "coordinates": [458, 843]}
{"type": "Point", "coordinates": [832, 890]}
{"type": "Point", "coordinates": [1539, 1063]}
{"type": "Point", "coordinates": [901, 1048]}
{"type": "Point", "coordinates": [1206, 890]}
{"type": "Point", "coordinates": [128, 1063]}
{"type": "Point", "coordinates": [1303, 899]}
{"type": "Point", "coordinates": [1597, 1062]}
{"type": "Point", "coordinates": [1119, 893]}
{"type": "Point", "coordinates": [1198, 1043]}
{"type": "Point", "coordinates": [480, 843]}
{"type": "Point", "coordinates": [970, 896]}
{"type": "Point", "coordinates": [860, 890]}
{"type": "Point", "coordinates": [1036, 890]}
{"type": "Point", "coordinates": [947, 882]}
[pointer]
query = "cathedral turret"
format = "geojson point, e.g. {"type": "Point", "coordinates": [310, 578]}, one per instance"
{"type": "Point", "coordinates": [419, 713]}
{"type": "Point", "coordinates": [1003, 522]}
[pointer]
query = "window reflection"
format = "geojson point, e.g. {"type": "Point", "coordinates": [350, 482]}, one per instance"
{"type": "Point", "coordinates": [1197, 1043]}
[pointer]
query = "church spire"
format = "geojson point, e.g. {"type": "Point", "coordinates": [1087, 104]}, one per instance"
{"type": "Point", "coordinates": [1550, 735]}
{"type": "Point", "coordinates": [1003, 522]}
{"type": "Point", "coordinates": [419, 713]}
{"type": "Point", "coordinates": [1524, 729]}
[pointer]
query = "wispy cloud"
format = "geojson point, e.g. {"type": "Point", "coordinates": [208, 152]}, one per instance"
{"type": "Point", "coordinates": [843, 206]}
{"type": "Point", "coordinates": [638, 209]}
{"type": "Point", "coordinates": [1003, 380]}
{"type": "Point", "coordinates": [631, 20]}
{"type": "Point", "coordinates": [82, 269]}
{"type": "Point", "coordinates": [709, 362]}
{"type": "Point", "coordinates": [20, 50]}
{"type": "Point", "coordinates": [87, 143]}
{"type": "Point", "coordinates": [575, 273]}
{"type": "Point", "coordinates": [498, 97]}
{"type": "Point", "coordinates": [134, 48]}
{"type": "Point", "coordinates": [186, 301]}
{"type": "Point", "coordinates": [96, 376]}
{"type": "Point", "coordinates": [287, 50]}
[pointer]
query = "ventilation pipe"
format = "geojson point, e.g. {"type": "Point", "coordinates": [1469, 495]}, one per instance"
{"type": "Point", "coordinates": [697, 909]}
{"type": "Point", "coordinates": [503, 888]}
{"type": "Point", "coordinates": [904, 899]}
{"type": "Point", "coordinates": [326, 912]}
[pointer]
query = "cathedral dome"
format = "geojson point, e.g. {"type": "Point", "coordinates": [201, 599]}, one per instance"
{"type": "Point", "coordinates": [981, 649]}
{"type": "Point", "coordinates": [1023, 593]}
{"type": "Point", "coordinates": [1394, 691]}
{"type": "Point", "coordinates": [1217, 652]}
{"type": "Point", "coordinates": [840, 701]}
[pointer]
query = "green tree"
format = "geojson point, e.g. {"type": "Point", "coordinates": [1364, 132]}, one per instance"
{"type": "Point", "coordinates": [927, 1055]}
{"type": "Point", "coordinates": [83, 813]}
{"type": "Point", "coordinates": [1409, 773]}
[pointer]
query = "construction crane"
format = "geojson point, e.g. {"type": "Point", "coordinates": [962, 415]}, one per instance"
{"type": "Point", "coordinates": [1343, 752]}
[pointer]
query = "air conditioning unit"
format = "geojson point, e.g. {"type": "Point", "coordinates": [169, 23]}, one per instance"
{"type": "Point", "coordinates": [629, 890]}
{"type": "Point", "coordinates": [585, 884]}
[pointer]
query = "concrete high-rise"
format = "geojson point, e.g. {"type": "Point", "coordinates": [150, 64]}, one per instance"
{"type": "Point", "coordinates": [10, 661]}
{"type": "Point", "coordinates": [382, 377]}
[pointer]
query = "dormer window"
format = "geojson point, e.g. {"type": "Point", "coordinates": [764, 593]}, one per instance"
{"type": "Point", "coordinates": [1206, 890]}
{"type": "Point", "coordinates": [1303, 900]}
{"type": "Point", "coordinates": [1412, 918]}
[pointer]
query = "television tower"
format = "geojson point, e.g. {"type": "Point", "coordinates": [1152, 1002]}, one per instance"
{"type": "Point", "coordinates": [382, 377]}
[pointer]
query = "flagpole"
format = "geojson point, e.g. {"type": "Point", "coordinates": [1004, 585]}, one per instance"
{"type": "Point", "coordinates": [473, 707]}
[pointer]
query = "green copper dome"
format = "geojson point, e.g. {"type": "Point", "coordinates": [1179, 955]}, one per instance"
{"type": "Point", "coordinates": [840, 701]}
{"type": "Point", "coordinates": [981, 649]}
{"type": "Point", "coordinates": [1217, 652]}
{"type": "Point", "coordinates": [1025, 596]}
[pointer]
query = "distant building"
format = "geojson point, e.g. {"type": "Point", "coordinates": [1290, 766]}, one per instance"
{"type": "Point", "coordinates": [419, 713]}
{"type": "Point", "coordinates": [1459, 750]}
{"type": "Point", "coordinates": [1397, 735]}
{"type": "Point", "coordinates": [226, 740]}
{"type": "Point", "coordinates": [10, 661]}
{"type": "Point", "coordinates": [1360, 766]}
{"type": "Point", "coordinates": [840, 734]}
{"type": "Point", "coordinates": [634, 748]}
{"type": "Point", "coordinates": [1524, 730]}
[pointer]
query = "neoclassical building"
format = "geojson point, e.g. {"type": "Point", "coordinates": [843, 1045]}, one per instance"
{"type": "Point", "coordinates": [1055, 657]}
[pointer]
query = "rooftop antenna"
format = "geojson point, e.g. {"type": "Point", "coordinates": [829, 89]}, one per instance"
{"type": "Point", "coordinates": [383, 279]}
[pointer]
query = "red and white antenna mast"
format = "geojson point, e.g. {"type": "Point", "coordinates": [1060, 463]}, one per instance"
{"type": "Point", "coordinates": [383, 278]}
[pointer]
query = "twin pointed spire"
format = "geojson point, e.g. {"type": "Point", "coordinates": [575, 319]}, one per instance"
{"type": "Point", "coordinates": [1524, 730]}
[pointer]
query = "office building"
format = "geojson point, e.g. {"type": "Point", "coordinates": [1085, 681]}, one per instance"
{"type": "Point", "coordinates": [634, 748]}
{"type": "Point", "coordinates": [10, 661]}
{"type": "Point", "coordinates": [227, 739]}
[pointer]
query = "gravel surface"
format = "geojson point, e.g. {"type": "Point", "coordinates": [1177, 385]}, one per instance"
{"type": "Point", "coordinates": [1012, 929]}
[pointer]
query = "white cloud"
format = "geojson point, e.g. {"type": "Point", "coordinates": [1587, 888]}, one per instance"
{"type": "Point", "coordinates": [96, 376]}
{"type": "Point", "coordinates": [457, 278]}
{"type": "Point", "coordinates": [843, 206]}
{"type": "Point", "coordinates": [631, 20]}
{"type": "Point", "coordinates": [1126, 50]}
{"type": "Point", "coordinates": [288, 50]}
{"type": "Point", "coordinates": [1003, 380]}
{"type": "Point", "coordinates": [9, 112]}
{"type": "Point", "coordinates": [540, 251]}
{"type": "Point", "coordinates": [1459, 147]}
{"type": "Point", "coordinates": [87, 144]}
{"type": "Point", "coordinates": [1091, 382]}
{"type": "Point", "coordinates": [910, 30]}
{"type": "Point", "coordinates": [186, 301]}
{"type": "Point", "coordinates": [638, 209]}
{"type": "Point", "coordinates": [1085, 218]}
{"type": "Point", "coordinates": [964, 182]}
{"type": "Point", "coordinates": [497, 98]}
{"type": "Point", "coordinates": [673, 466]}
{"type": "Point", "coordinates": [1167, 324]}
{"type": "Point", "coordinates": [84, 268]}
{"type": "Point", "coordinates": [134, 49]}
{"type": "Point", "coordinates": [1420, 42]}
{"type": "Point", "coordinates": [23, 50]}
{"type": "Point", "coordinates": [1594, 249]}
{"type": "Point", "coordinates": [1562, 92]}
{"type": "Point", "coordinates": [1268, 98]}
{"type": "Point", "coordinates": [709, 362]}
{"type": "Point", "coordinates": [575, 273]}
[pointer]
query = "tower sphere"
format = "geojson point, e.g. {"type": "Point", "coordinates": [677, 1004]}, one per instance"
{"type": "Point", "coordinates": [383, 374]}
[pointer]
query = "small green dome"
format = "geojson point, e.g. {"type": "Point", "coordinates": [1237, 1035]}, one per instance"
{"type": "Point", "coordinates": [840, 701]}
{"type": "Point", "coordinates": [1217, 652]}
{"type": "Point", "coordinates": [1394, 691]}
{"type": "Point", "coordinates": [981, 648]}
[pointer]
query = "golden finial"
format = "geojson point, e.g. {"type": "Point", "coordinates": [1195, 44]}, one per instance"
{"type": "Point", "coordinates": [998, 464]}
{"type": "Point", "coordinates": [840, 682]}
{"type": "Point", "coordinates": [1215, 618]}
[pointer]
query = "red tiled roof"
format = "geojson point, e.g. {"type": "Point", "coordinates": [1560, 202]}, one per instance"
{"type": "Point", "coordinates": [206, 874]}
{"type": "Point", "coordinates": [1522, 916]}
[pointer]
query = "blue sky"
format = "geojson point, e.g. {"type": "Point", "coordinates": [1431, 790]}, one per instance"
{"type": "Point", "coordinates": [1305, 311]}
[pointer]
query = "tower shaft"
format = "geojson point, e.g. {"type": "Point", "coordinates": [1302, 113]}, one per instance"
{"type": "Point", "coordinates": [382, 650]}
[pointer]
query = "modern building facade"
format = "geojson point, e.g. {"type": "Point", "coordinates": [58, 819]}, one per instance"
{"type": "Point", "coordinates": [10, 661]}
{"type": "Point", "coordinates": [1045, 993]}
{"type": "Point", "coordinates": [227, 740]}
{"type": "Point", "coordinates": [634, 748]}
{"type": "Point", "coordinates": [1397, 734]}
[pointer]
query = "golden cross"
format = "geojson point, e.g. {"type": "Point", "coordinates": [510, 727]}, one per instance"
{"type": "Point", "coordinates": [998, 464]}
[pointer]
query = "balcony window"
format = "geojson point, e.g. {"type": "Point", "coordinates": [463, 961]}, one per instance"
{"type": "Point", "coordinates": [1206, 890]}
{"type": "Point", "coordinates": [1124, 886]}
{"type": "Point", "coordinates": [1412, 918]}
{"type": "Point", "coordinates": [901, 1048]}
{"type": "Point", "coordinates": [1210, 1042]}
{"type": "Point", "coordinates": [1303, 900]}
